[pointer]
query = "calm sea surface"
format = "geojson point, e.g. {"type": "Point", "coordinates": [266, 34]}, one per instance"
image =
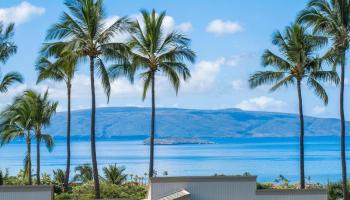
{"type": "Point", "coordinates": [265, 157]}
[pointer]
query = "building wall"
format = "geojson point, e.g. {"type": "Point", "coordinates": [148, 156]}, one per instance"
{"type": "Point", "coordinates": [26, 192]}
{"type": "Point", "coordinates": [291, 195]}
{"type": "Point", "coordinates": [226, 188]}
{"type": "Point", "coordinates": [206, 188]}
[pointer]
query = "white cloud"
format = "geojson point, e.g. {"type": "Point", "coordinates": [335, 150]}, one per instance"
{"type": "Point", "coordinates": [119, 37]}
{"type": "Point", "coordinates": [204, 75]}
{"type": "Point", "coordinates": [237, 84]}
{"type": "Point", "coordinates": [232, 61]}
{"type": "Point", "coordinates": [80, 91]}
{"type": "Point", "coordinates": [122, 87]}
{"type": "Point", "coordinates": [319, 110]}
{"type": "Point", "coordinates": [81, 88]}
{"type": "Point", "coordinates": [262, 103]}
{"type": "Point", "coordinates": [205, 72]}
{"type": "Point", "coordinates": [169, 25]}
{"type": "Point", "coordinates": [219, 26]}
{"type": "Point", "coordinates": [109, 21]}
{"type": "Point", "coordinates": [185, 27]}
{"type": "Point", "coordinates": [20, 13]}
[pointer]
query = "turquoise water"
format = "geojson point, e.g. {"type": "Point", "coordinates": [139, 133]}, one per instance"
{"type": "Point", "coordinates": [265, 157]}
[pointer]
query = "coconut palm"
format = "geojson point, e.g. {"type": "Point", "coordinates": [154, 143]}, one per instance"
{"type": "Point", "coordinates": [42, 111]}
{"type": "Point", "coordinates": [4, 175]}
{"type": "Point", "coordinates": [59, 177]}
{"type": "Point", "coordinates": [155, 51]}
{"type": "Point", "coordinates": [114, 174]}
{"type": "Point", "coordinates": [332, 18]}
{"type": "Point", "coordinates": [7, 49]}
{"type": "Point", "coordinates": [296, 63]}
{"type": "Point", "coordinates": [63, 69]}
{"type": "Point", "coordinates": [17, 124]}
{"type": "Point", "coordinates": [84, 31]}
{"type": "Point", "coordinates": [83, 173]}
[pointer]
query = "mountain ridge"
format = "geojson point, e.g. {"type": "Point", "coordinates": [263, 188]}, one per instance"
{"type": "Point", "coordinates": [192, 123]}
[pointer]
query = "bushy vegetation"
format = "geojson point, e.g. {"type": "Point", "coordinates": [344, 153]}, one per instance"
{"type": "Point", "coordinates": [108, 191]}
{"type": "Point", "coordinates": [335, 191]}
{"type": "Point", "coordinates": [115, 184]}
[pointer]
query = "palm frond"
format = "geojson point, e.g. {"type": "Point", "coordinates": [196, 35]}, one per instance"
{"type": "Point", "coordinates": [147, 79]}
{"type": "Point", "coordinates": [121, 25]}
{"type": "Point", "coordinates": [271, 59]}
{"type": "Point", "coordinates": [265, 77]}
{"type": "Point", "coordinates": [318, 89]}
{"type": "Point", "coordinates": [287, 81]}
{"type": "Point", "coordinates": [9, 79]}
{"type": "Point", "coordinates": [172, 76]}
{"type": "Point", "coordinates": [49, 70]}
{"type": "Point", "coordinates": [48, 140]}
{"type": "Point", "coordinates": [7, 46]}
{"type": "Point", "coordinates": [326, 76]}
{"type": "Point", "coordinates": [104, 76]}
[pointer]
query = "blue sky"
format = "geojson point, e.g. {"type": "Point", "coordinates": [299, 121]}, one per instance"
{"type": "Point", "coordinates": [228, 37]}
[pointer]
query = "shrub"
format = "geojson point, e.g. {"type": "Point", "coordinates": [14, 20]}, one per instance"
{"type": "Point", "coordinates": [64, 196]}
{"type": "Point", "coordinates": [262, 186]}
{"type": "Point", "coordinates": [335, 191]}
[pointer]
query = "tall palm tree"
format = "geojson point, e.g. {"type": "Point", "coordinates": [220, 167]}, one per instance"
{"type": "Point", "coordinates": [153, 50]}
{"type": "Point", "coordinates": [59, 177]}
{"type": "Point", "coordinates": [114, 174]}
{"type": "Point", "coordinates": [7, 49]}
{"type": "Point", "coordinates": [297, 62]}
{"type": "Point", "coordinates": [332, 18]}
{"type": "Point", "coordinates": [42, 111]}
{"type": "Point", "coordinates": [83, 173]}
{"type": "Point", "coordinates": [17, 123]}
{"type": "Point", "coordinates": [84, 31]}
{"type": "Point", "coordinates": [63, 69]}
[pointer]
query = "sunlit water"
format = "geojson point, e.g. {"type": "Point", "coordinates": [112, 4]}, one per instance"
{"type": "Point", "coordinates": [265, 157]}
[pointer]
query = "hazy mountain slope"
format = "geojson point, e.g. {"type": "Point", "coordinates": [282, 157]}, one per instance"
{"type": "Point", "coordinates": [129, 121]}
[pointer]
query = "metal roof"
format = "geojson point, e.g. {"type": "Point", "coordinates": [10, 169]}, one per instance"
{"type": "Point", "coordinates": [176, 195]}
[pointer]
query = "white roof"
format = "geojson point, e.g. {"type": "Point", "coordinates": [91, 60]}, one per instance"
{"type": "Point", "coordinates": [176, 195]}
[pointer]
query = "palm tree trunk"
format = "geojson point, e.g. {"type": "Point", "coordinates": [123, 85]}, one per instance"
{"type": "Point", "coordinates": [29, 160]}
{"type": "Point", "coordinates": [151, 158]}
{"type": "Point", "coordinates": [301, 116]}
{"type": "Point", "coordinates": [342, 128]}
{"type": "Point", "coordinates": [38, 158]}
{"type": "Point", "coordinates": [66, 180]}
{"type": "Point", "coordinates": [93, 139]}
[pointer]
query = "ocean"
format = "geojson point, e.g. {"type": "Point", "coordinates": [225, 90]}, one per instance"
{"type": "Point", "coordinates": [265, 157]}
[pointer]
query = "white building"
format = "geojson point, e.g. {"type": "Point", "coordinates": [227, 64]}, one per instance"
{"type": "Point", "coordinates": [41, 192]}
{"type": "Point", "coordinates": [222, 188]}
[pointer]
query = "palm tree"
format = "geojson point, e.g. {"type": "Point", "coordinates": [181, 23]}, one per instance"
{"type": "Point", "coordinates": [7, 49]}
{"type": "Point", "coordinates": [332, 18]}
{"type": "Point", "coordinates": [17, 123]}
{"type": "Point", "coordinates": [63, 69]}
{"type": "Point", "coordinates": [42, 111]}
{"type": "Point", "coordinates": [114, 174]}
{"type": "Point", "coordinates": [59, 177]}
{"type": "Point", "coordinates": [4, 175]}
{"type": "Point", "coordinates": [298, 62]}
{"type": "Point", "coordinates": [153, 50]}
{"type": "Point", "coordinates": [84, 31]}
{"type": "Point", "coordinates": [83, 173]}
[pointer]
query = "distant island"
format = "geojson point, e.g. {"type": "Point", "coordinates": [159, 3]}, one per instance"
{"type": "Point", "coordinates": [119, 122]}
{"type": "Point", "coordinates": [178, 141]}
